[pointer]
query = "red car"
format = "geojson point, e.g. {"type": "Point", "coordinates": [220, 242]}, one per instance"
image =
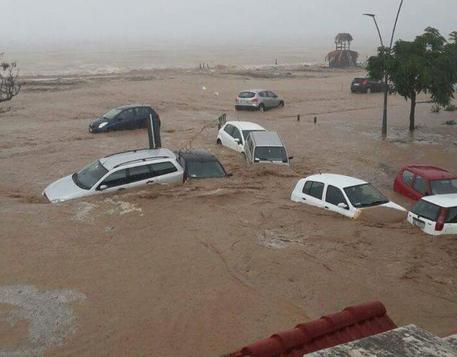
{"type": "Point", "coordinates": [416, 181]}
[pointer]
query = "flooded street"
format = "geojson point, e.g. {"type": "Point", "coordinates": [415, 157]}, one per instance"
{"type": "Point", "coordinates": [209, 266]}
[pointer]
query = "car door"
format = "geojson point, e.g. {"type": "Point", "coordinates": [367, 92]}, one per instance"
{"type": "Point", "coordinates": [113, 181]}
{"type": "Point", "coordinates": [141, 117]}
{"type": "Point", "coordinates": [312, 193]}
{"type": "Point", "coordinates": [264, 99]}
{"type": "Point", "coordinates": [274, 99]}
{"type": "Point", "coordinates": [166, 172]}
{"type": "Point", "coordinates": [334, 198]}
{"type": "Point", "coordinates": [236, 134]}
{"type": "Point", "coordinates": [121, 121]}
{"type": "Point", "coordinates": [406, 182]}
{"type": "Point", "coordinates": [227, 138]}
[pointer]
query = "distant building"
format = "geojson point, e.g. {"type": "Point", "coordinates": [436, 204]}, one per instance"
{"type": "Point", "coordinates": [342, 57]}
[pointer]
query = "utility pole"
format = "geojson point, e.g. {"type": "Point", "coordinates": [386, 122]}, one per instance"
{"type": "Point", "coordinates": [386, 78]}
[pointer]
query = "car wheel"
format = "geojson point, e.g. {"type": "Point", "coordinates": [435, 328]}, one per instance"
{"type": "Point", "coordinates": [281, 104]}
{"type": "Point", "coordinates": [261, 108]}
{"type": "Point", "coordinates": [219, 142]}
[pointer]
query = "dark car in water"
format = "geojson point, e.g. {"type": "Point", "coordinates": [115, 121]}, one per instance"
{"type": "Point", "coordinates": [367, 85]}
{"type": "Point", "coordinates": [199, 164]}
{"type": "Point", "coordinates": [123, 118]}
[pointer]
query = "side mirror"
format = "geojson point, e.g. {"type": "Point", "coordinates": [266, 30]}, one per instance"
{"type": "Point", "coordinates": [229, 174]}
{"type": "Point", "coordinates": [256, 159]}
{"type": "Point", "coordinates": [102, 187]}
{"type": "Point", "coordinates": [291, 157]}
{"type": "Point", "coordinates": [237, 140]}
{"type": "Point", "coordinates": [343, 205]}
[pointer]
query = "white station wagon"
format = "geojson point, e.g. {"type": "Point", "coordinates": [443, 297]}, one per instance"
{"type": "Point", "coordinates": [118, 172]}
{"type": "Point", "coordinates": [233, 134]}
{"type": "Point", "coordinates": [341, 194]}
{"type": "Point", "coordinates": [435, 215]}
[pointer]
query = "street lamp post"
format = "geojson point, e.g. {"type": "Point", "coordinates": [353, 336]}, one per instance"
{"type": "Point", "coordinates": [386, 79]}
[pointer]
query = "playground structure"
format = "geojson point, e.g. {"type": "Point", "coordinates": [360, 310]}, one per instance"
{"type": "Point", "coordinates": [343, 56]}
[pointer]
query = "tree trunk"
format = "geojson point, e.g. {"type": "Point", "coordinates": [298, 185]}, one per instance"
{"type": "Point", "coordinates": [412, 113]}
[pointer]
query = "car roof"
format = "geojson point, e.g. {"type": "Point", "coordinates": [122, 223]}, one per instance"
{"type": "Point", "coordinates": [266, 138]}
{"type": "Point", "coordinates": [430, 172]}
{"type": "Point", "coordinates": [446, 201]}
{"type": "Point", "coordinates": [114, 160]}
{"type": "Point", "coordinates": [246, 125]}
{"type": "Point", "coordinates": [132, 106]}
{"type": "Point", "coordinates": [337, 180]}
{"type": "Point", "coordinates": [255, 90]}
{"type": "Point", "coordinates": [197, 155]}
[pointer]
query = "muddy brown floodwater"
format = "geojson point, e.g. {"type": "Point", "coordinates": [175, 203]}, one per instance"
{"type": "Point", "coordinates": [204, 268]}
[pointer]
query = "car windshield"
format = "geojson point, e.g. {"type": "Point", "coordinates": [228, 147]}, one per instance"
{"type": "Point", "coordinates": [246, 95]}
{"type": "Point", "coordinates": [441, 187]}
{"type": "Point", "coordinates": [204, 169]}
{"type": "Point", "coordinates": [112, 113]}
{"type": "Point", "coordinates": [270, 153]}
{"type": "Point", "coordinates": [90, 175]}
{"type": "Point", "coordinates": [247, 132]}
{"type": "Point", "coordinates": [426, 210]}
{"type": "Point", "coordinates": [365, 195]}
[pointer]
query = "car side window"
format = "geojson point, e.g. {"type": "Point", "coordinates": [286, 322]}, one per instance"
{"type": "Point", "coordinates": [272, 95]}
{"type": "Point", "coordinates": [236, 134]}
{"type": "Point", "coordinates": [263, 94]}
{"type": "Point", "coordinates": [117, 178]}
{"type": "Point", "coordinates": [139, 173]}
{"type": "Point", "coordinates": [334, 196]}
{"type": "Point", "coordinates": [314, 189]}
{"type": "Point", "coordinates": [122, 116]}
{"type": "Point", "coordinates": [143, 113]}
{"type": "Point", "coordinates": [408, 177]}
{"type": "Point", "coordinates": [420, 185]}
{"type": "Point", "coordinates": [130, 114]}
{"type": "Point", "coordinates": [163, 168]}
{"type": "Point", "coordinates": [229, 129]}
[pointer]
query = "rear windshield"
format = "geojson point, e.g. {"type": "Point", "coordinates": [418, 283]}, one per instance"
{"type": "Point", "coordinates": [442, 187]}
{"type": "Point", "coordinates": [246, 95]}
{"type": "Point", "coordinates": [426, 210]}
{"type": "Point", "coordinates": [204, 169]}
{"type": "Point", "coordinates": [270, 153]}
{"type": "Point", "coordinates": [359, 80]}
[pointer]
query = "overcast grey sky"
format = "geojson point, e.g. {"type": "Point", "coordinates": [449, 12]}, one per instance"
{"type": "Point", "coordinates": [62, 22]}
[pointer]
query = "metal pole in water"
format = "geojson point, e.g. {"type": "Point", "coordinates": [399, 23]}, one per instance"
{"type": "Point", "coordinates": [151, 133]}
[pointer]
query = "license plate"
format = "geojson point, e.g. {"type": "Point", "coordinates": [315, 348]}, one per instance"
{"type": "Point", "coordinates": [418, 223]}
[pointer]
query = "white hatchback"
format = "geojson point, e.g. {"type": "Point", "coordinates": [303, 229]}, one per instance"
{"type": "Point", "coordinates": [341, 194]}
{"type": "Point", "coordinates": [435, 215]}
{"type": "Point", "coordinates": [233, 134]}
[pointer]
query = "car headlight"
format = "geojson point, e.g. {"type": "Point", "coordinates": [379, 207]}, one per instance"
{"type": "Point", "coordinates": [102, 125]}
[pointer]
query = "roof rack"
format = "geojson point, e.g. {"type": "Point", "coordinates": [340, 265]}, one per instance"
{"type": "Point", "coordinates": [141, 160]}
{"type": "Point", "coordinates": [125, 152]}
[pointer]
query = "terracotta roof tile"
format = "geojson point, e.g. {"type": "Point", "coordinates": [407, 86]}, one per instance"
{"type": "Point", "coordinates": [353, 323]}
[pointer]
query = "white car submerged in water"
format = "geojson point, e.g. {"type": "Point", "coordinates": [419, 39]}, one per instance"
{"type": "Point", "coordinates": [233, 134]}
{"type": "Point", "coordinates": [436, 214]}
{"type": "Point", "coordinates": [341, 194]}
{"type": "Point", "coordinates": [118, 172]}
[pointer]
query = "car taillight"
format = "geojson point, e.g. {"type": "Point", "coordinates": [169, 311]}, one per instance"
{"type": "Point", "coordinates": [441, 219]}
{"type": "Point", "coordinates": [365, 82]}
